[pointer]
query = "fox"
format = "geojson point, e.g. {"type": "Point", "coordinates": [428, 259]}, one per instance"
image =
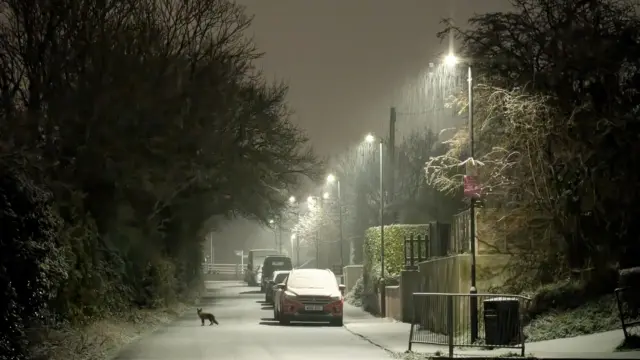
{"type": "Point", "coordinates": [207, 316]}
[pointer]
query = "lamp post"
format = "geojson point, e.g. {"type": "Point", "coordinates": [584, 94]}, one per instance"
{"type": "Point", "coordinates": [294, 236]}
{"type": "Point", "coordinates": [370, 139]}
{"type": "Point", "coordinates": [451, 61]}
{"type": "Point", "coordinates": [331, 179]}
{"type": "Point", "coordinates": [275, 233]}
{"type": "Point", "coordinates": [310, 202]}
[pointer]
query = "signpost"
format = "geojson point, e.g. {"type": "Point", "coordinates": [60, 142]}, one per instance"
{"type": "Point", "coordinates": [471, 187]}
{"type": "Point", "coordinates": [241, 254]}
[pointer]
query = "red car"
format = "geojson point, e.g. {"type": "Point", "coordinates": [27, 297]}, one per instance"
{"type": "Point", "coordinates": [309, 295]}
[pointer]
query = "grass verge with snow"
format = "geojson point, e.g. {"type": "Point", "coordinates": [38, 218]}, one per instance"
{"type": "Point", "coordinates": [593, 316]}
{"type": "Point", "coordinates": [102, 339]}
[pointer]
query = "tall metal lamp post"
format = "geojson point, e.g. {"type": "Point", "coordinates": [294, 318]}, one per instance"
{"type": "Point", "coordinates": [383, 301]}
{"type": "Point", "coordinates": [451, 61]}
{"type": "Point", "coordinates": [275, 233]}
{"type": "Point", "coordinates": [332, 179]}
{"type": "Point", "coordinates": [294, 236]}
{"type": "Point", "coordinates": [311, 200]}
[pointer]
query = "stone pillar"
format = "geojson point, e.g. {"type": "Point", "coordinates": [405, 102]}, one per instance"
{"type": "Point", "coordinates": [351, 274]}
{"type": "Point", "coordinates": [410, 282]}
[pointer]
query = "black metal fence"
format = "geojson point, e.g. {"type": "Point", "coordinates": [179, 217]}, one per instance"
{"type": "Point", "coordinates": [415, 250]}
{"type": "Point", "coordinates": [445, 319]}
{"type": "Point", "coordinates": [628, 300]}
{"type": "Point", "coordinates": [421, 247]}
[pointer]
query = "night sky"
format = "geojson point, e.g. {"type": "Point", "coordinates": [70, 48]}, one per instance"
{"type": "Point", "coordinates": [346, 62]}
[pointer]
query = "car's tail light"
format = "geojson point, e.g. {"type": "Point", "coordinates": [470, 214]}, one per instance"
{"type": "Point", "coordinates": [336, 306]}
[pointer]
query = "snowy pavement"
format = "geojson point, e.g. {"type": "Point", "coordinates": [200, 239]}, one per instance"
{"type": "Point", "coordinates": [394, 337]}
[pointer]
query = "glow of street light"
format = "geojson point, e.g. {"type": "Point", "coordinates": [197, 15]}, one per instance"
{"type": "Point", "coordinates": [331, 178]}
{"type": "Point", "coordinates": [450, 60]}
{"type": "Point", "coordinates": [369, 138]}
{"type": "Point", "coordinates": [325, 195]}
{"type": "Point", "coordinates": [293, 236]}
{"type": "Point", "coordinates": [271, 221]}
{"type": "Point", "coordinates": [310, 199]}
{"type": "Point", "coordinates": [292, 199]}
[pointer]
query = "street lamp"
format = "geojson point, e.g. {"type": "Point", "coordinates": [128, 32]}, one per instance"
{"type": "Point", "coordinates": [311, 202]}
{"type": "Point", "coordinates": [294, 237]}
{"type": "Point", "coordinates": [451, 60]}
{"type": "Point", "coordinates": [275, 233]}
{"type": "Point", "coordinates": [370, 139]}
{"type": "Point", "coordinates": [293, 202]}
{"type": "Point", "coordinates": [332, 179]}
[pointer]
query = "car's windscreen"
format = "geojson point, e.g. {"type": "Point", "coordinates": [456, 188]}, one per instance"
{"type": "Point", "coordinates": [312, 280]}
{"type": "Point", "coordinates": [271, 265]}
{"type": "Point", "coordinates": [280, 278]}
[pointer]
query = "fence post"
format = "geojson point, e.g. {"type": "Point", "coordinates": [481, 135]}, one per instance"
{"type": "Point", "coordinates": [412, 256]}
{"type": "Point", "coordinates": [620, 311]}
{"type": "Point", "coordinates": [413, 319]}
{"type": "Point", "coordinates": [419, 241]}
{"type": "Point", "coordinates": [450, 323]}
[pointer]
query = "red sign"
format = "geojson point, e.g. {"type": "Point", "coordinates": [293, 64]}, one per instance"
{"type": "Point", "coordinates": [471, 187]}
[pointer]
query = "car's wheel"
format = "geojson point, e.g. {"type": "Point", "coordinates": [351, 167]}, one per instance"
{"type": "Point", "coordinates": [284, 320]}
{"type": "Point", "coordinates": [337, 322]}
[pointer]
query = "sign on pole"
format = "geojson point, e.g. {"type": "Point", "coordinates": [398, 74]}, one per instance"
{"type": "Point", "coordinates": [242, 256]}
{"type": "Point", "coordinates": [471, 187]}
{"type": "Point", "coordinates": [471, 167]}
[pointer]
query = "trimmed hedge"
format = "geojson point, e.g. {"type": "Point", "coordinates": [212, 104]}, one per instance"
{"type": "Point", "coordinates": [394, 236]}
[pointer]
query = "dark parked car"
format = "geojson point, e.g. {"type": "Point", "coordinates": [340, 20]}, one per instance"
{"type": "Point", "coordinates": [271, 264]}
{"type": "Point", "coordinates": [279, 277]}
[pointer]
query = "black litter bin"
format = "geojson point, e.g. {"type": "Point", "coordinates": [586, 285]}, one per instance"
{"type": "Point", "coordinates": [501, 321]}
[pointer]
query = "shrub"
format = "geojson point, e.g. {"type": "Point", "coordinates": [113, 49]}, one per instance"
{"type": "Point", "coordinates": [356, 294]}
{"type": "Point", "coordinates": [394, 236]}
{"type": "Point", "coordinates": [572, 293]}
{"type": "Point", "coordinates": [557, 296]}
{"type": "Point", "coordinates": [31, 263]}
{"type": "Point", "coordinates": [630, 279]}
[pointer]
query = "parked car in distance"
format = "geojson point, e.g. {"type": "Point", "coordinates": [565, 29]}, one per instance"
{"type": "Point", "coordinates": [255, 260]}
{"type": "Point", "coordinates": [309, 295]}
{"type": "Point", "coordinates": [279, 276]}
{"type": "Point", "coordinates": [270, 264]}
{"type": "Point", "coordinates": [258, 275]}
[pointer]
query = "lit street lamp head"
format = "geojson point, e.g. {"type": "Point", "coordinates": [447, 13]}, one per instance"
{"type": "Point", "coordinates": [451, 60]}
{"type": "Point", "coordinates": [292, 199]}
{"type": "Point", "coordinates": [310, 200]}
{"type": "Point", "coordinates": [271, 221]}
{"type": "Point", "coordinates": [331, 178]}
{"type": "Point", "coordinates": [325, 195]}
{"type": "Point", "coordinates": [369, 138]}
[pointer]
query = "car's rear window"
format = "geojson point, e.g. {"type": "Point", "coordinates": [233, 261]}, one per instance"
{"type": "Point", "coordinates": [280, 278]}
{"type": "Point", "coordinates": [312, 279]}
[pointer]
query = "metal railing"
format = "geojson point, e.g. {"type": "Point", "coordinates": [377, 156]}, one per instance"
{"type": "Point", "coordinates": [628, 300]}
{"type": "Point", "coordinates": [223, 269]}
{"type": "Point", "coordinates": [445, 319]}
